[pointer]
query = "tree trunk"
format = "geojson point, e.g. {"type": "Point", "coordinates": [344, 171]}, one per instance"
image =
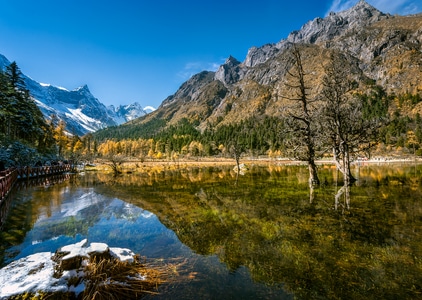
{"type": "Point", "coordinates": [343, 165]}
{"type": "Point", "coordinates": [237, 158]}
{"type": "Point", "coordinates": [343, 191]}
{"type": "Point", "coordinates": [339, 165]}
{"type": "Point", "coordinates": [313, 175]}
{"type": "Point", "coordinates": [311, 193]}
{"type": "Point", "coordinates": [347, 175]}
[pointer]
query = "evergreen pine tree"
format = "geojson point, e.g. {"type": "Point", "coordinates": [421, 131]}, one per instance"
{"type": "Point", "coordinates": [20, 117]}
{"type": "Point", "coordinates": [14, 76]}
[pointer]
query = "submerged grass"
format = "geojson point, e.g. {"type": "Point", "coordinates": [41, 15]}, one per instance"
{"type": "Point", "coordinates": [114, 279]}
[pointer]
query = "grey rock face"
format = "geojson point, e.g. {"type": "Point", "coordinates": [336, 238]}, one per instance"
{"type": "Point", "coordinates": [368, 39]}
{"type": "Point", "coordinates": [320, 30]}
{"type": "Point", "coordinates": [230, 72]}
{"type": "Point", "coordinates": [188, 89]}
{"type": "Point", "coordinates": [259, 55]}
{"type": "Point", "coordinates": [336, 24]}
{"type": "Point", "coordinates": [82, 112]}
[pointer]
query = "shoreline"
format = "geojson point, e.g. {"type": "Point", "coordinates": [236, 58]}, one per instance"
{"type": "Point", "coordinates": [132, 165]}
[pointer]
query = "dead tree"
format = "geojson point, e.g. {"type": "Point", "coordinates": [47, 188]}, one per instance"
{"type": "Point", "coordinates": [345, 125]}
{"type": "Point", "coordinates": [302, 132]}
{"type": "Point", "coordinates": [115, 162]}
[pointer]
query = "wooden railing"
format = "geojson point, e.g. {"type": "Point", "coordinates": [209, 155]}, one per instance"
{"type": "Point", "coordinates": [10, 176]}
{"type": "Point", "coordinates": [7, 180]}
{"type": "Point", "coordinates": [40, 181]}
{"type": "Point", "coordinates": [31, 172]}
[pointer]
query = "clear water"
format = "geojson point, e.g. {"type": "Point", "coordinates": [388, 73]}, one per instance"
{"type": "Point", "coordinates": [264, 235]}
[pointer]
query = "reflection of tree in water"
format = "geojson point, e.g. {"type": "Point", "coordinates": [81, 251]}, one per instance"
{"type": "Point", "coordinates": [267, 224]}
{"type": "Point", "coordinates": [60, 210]}
{"type": "Point", "coordinates": [342, 198]}
{"type": "Point", "coordinates": [24, 210]}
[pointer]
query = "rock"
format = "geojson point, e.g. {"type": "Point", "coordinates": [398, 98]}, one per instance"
{"type": "Point", "coordinates": [123, 254]}
{"type": "Point", "coordinates": [70, 257]}
{"type": "Point", "coordinates": [62, 272]}
{"type": "Point", "coordinates": [336, 24]}
{"type": "Point", "coordinates": [230, 72]}
{"type": "Point", "coordinates": [29, 275]}
{"type": "Point", "coordinates": [188, 89]}
{"type": "Point", "coordinates": [98, 251]}
{"type": "Point", "coordinates": [242, 168]}
{"type": "Point", "coordinates": [379, 48]}
{"type": "Point", "coordinates": [319, 30]}
{"type": "Point", "coordinates": [259, 55]}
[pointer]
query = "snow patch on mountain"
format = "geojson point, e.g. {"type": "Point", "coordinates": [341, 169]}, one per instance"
{"type": "Point", "coordinates": [126, 113]}
{"type": "Point", "coordinates": [149, 109]}
{"type": "Point", "coordinates": [85, 121]}
{"type": "Point", "coordinates": [81, 111]}
{"type": "Point", "coordinates": [59, 87]}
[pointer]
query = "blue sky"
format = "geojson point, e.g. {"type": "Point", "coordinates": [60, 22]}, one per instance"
{"type": "Point", "coordinates": [143, 50]}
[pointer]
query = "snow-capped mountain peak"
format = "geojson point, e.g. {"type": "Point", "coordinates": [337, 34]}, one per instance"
{"type": "Point", "coordinates": [82, 112]}
{"type": "Point", "coordinates": [126, 113]}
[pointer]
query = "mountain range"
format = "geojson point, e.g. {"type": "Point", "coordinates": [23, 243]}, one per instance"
{"type": "Point", "coordinates": [385, 49]}
{"type": "Point", "coordinates": [81, 111]}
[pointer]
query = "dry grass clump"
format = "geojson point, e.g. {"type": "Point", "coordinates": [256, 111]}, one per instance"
{"type": "Point", "coordinates": [114, 279]}
{"type": "Point", "coordinates": [43, 296]}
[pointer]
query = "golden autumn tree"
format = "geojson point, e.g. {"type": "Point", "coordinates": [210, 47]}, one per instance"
{"type": "Point", "coordinates": [61, 137]}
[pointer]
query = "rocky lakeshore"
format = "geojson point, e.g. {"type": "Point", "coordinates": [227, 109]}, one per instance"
{"type": "Point", "coordinates": [79, 271]}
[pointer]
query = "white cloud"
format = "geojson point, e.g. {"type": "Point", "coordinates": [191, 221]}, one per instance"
{"type": "Point", "coordinates": [401, 7]}
{"type": "Point", "coordinates": [339, 5]}
{"type": "Point", "coordinates": [193, 68]}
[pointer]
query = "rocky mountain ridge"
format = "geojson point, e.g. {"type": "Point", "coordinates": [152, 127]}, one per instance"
{"type": "Point", "coordinates": [320, 30]}
{"type": "Point", "coordinates": [384, 49]}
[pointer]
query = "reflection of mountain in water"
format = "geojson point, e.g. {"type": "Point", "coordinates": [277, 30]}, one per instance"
{"type": "Point", "coordinates": [83, 213]}
{"type": "Point", "coordinates": [75, 213]}
{"type": "Point", "coordinates": [267, 224]}
{"type": "Point", "coordinates": [126, 225]}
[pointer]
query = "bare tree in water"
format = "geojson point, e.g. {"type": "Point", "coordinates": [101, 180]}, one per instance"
{"type": "Point", "coordinates": [302, 129]}
{"type": "Point", "coordinates": [115, 161]}
{"type": "Point", "coordinates": [350, 121]}
{"type": "Point", "coordinates": [236, 149]}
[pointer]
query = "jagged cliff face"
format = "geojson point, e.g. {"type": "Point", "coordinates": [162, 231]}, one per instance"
{"type": "Point", "coordinates": [335, 25]}
{"type": "Point", "coordinates": [378, 46]}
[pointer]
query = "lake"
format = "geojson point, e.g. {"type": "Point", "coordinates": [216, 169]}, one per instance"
{"type": "Point", "coordinates": [263, 235]}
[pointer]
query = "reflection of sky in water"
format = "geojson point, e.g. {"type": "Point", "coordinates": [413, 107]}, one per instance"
{"type": "Point", "coordinates": [106, 220]}
{"type": "Point", "coordinates": [82, 213]}
{"type": "Point", "coordinates": [265, 229]}
{"type": "Point", "coordinates": [131, 227]}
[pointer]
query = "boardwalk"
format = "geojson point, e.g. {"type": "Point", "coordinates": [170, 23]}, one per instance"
{"type": "Point", "coordinates": [9, 177]}
{"type": "Point", "coordinates": [7, 180]}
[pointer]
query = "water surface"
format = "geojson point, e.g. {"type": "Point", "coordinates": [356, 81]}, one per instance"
{"type": "Point", "coordinates": [265, 235]}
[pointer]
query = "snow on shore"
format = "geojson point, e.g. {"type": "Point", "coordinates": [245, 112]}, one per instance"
{"type": "Point", "coordinates": [38, 272]}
